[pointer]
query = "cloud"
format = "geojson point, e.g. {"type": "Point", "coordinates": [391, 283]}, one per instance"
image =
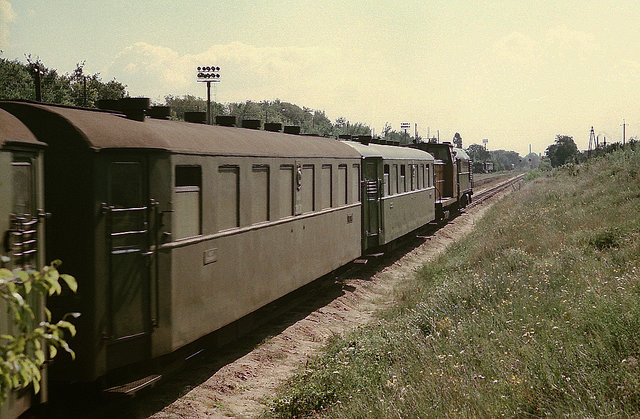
{"type": "Point", "coordinates": [564, 42]}
{"type": "Point", "coordinates": [7, 15]}
{"type": "Point", "coordinates": [627, 72]}
{"type": "Point", "coordinates": [557, 43]}
{"type": "Point", "coordinates": [247, 71]}
{"type": "Point", "coordinates": [517, 48]}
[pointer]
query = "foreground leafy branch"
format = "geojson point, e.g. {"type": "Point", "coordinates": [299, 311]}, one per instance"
{"type": "Point", "coordinates": [22, 351]}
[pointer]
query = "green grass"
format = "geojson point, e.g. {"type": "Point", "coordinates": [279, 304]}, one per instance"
{"type": "Point", "coordinates": [537, 312]}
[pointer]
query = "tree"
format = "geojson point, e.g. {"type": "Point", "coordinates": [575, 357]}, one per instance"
{"type": "Point", "coordinates": [564, 150]}
{"type": "Point", "coordinates": [457, 140]}
{"type": "Point", "coordinates": [189, 103]}
{"type": "Point", "coordinates": [25, 347]}
{"type": "Point", "coordinates": [478, 153]}
{"type": "Point", "coordinates": [87, 89]}
{"type": "Point", "coordinates": [17, 82]}
{"type": "Point", "coordinates": [505, 160]}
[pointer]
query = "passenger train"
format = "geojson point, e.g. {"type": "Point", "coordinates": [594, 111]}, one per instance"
{"type": "Point", "coordinates": [174, 229]}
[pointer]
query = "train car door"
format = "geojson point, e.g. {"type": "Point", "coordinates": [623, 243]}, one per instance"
{"type": "Point", "coordinates": [371, 202]}
{"type": "Point", "coordinates": [21, 239]}
{"type": "Point", "coordinates": [129, 240]}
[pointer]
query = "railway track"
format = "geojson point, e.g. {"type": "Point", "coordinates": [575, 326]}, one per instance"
{"type": "Point", "coordinates": [489, 192]}
{"type": "Point", "coordinates": [196, 363]}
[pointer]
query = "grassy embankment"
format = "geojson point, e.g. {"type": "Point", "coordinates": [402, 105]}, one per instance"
{"type": "Point", "coordinates": [537, 312]}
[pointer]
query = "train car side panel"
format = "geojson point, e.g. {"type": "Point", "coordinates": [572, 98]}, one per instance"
{"type": "Point", "coordinates": [264, 232]}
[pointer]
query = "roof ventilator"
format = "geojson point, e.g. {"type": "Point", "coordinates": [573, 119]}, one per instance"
{"type": "Point", "coordinates": [273, 126]}
{"type": "Point", "coordinates": [109, 104]}
{"type": "Point", "coordinates": [226, 120]}
{"type": "Point", "coordinates": [364, 139]}
{"type": "Point", "coordinates": [292, 129]}
{"type": "Point", "coordinates": [134, 107]}
{"type": "Point", "coordinates": [251, 123]}
{"type": "Point", "coordinates": [197, 117]}
{"type": "Point", "coordinates": [159, 112]}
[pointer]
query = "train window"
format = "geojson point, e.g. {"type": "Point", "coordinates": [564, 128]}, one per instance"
{"type": "Point", "coordinates": [228, 202]}
{"type": "Point", "coordinates": [387, 181]}
{"type": "Point", "coordinates": [23, 190]}
{"type": "Point", "coordinates": [260, 194]}
{"type": "Point", "coordinates": [426, 176]}
{"type": "Point", "coordinates": [186, 202]}
{"type": "Point", "coordinates": [307, 188]}
{"type": "Point", "coordinates": [326, 192]}
{"type": "Point", "coordinates": [355, 182]}
{"type": "Point", "coordinates": [414, 176]}
{"type": "Point", "coordinates": [403, 179]}
{"type": "Point", "coordinates": [126, 193]}
{"type": "Point", "coordinates": [342, 184]}
{"type": "Point", "coordinates": [395, 179]}
{"type": "Point", "coordinates": [285, 180]}
{"type": "Point", "coordinates": [421, 177]}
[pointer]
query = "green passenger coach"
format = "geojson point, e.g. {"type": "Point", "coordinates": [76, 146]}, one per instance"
{"type": "Point", "coordinates": [21, 203]}
{"type": "Point", "coordinates": [397, 190]}
{"type": "Point", "coordinates": [174, 230]}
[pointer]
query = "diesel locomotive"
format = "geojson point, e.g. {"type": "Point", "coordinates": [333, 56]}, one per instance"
{"type": "Point", "coordinates": [175, 229]}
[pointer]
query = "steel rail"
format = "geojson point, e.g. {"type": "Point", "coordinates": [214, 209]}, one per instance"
{"type": "Point", "coordinates": [487, 193]}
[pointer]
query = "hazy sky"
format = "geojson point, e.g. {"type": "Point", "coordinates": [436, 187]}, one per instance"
{"type": "Point", "coordinates": [514, 72]}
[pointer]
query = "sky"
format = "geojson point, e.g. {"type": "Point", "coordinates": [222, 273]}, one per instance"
{"type": "Point", "coordinates": [517, 73]}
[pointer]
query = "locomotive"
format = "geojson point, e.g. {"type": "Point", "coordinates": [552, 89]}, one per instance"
{"type": "Point", "coordinates": [174, 230]}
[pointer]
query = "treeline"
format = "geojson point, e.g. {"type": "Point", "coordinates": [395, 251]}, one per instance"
{"type": "Point", "coordinates": [79, 88]}
{"type": "Point", "coordinates": [502, 159]}
{"type": "Point", "coordinates": [564, 150]}
{"type": "Point", "coordinates": [311, 121]}
{"type": "Point", "coordinates": [17, 81]}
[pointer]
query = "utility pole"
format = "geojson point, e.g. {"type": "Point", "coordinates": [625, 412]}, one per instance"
{"type": "Point", "coordinates": [623, 131]}
{"type": "Point", "coordinates": [37, 74]}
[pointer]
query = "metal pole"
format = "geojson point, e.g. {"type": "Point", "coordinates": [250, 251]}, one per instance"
{"type": "Point", "coordinates": [84, 87]}
{"type": "Point", "coordinates": [38, 84]}
{"type": "Point", "coordinates": [209, 102]}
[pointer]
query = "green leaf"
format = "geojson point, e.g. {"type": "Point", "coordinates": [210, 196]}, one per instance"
{"type": "Point", "coordinates": [47, 313]}
{"type": "Point", "coordinates": [36, 385]}
{"type": "Point", "coordinates": [65, 324]}
{"type": "Point", "coordinates": [39, 355]}
{"type": "Point", "coordinates": [53, 351]}
{"type": "Point", "coordinates": [70, 281]}
{"type": "Point", "coordinates": [21, 275]}
{"type": "Point", "coordinates": [18, 298]}
{"type": "Point", "coordinates": [27, 287]}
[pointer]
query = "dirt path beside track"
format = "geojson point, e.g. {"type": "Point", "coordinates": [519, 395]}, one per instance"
{"type": "Point", "coordinates": [240, 387]}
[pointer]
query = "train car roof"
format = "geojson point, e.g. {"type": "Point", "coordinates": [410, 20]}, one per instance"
{"type": "Point", "coordinates": [14, 131]}
{"type": "Point", "coordinates": [461, 154]}
{"type": "Point", "coordinates": [389, 151]}
{"type": "Point", "coordinates": [106, 130]}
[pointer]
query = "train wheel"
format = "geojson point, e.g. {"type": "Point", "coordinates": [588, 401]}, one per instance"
{"type": "Point", "coordinates": [463, 201]}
